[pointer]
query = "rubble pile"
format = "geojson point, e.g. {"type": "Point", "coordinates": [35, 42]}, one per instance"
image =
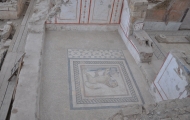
{"type": "Point", "coordinates": [178, 109]}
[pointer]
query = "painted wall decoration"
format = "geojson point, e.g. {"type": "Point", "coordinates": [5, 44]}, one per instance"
{"type": "Point", "coordinates": [125, 18]}
{"type": "Point", "coordinates": [89, 12]}
{"type": "Point", "coordinates": [171, 81]}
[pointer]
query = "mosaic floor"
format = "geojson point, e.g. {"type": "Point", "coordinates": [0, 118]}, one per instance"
{"type": "Point", "coordinates": [100, 79]}
{"type": "Point", "coordinates": [86, 76]}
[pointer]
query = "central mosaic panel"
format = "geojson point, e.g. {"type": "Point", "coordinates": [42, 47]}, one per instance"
{"type": "Point", "coordinates": [100, 80]}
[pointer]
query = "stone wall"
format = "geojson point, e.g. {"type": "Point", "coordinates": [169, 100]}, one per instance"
{"type": "Point", "coordinates": [133, 15]}
{"type": "Point", "coordinates": [12, 9]}
{"type": "Point", "coordinates": [168, 11]}
{"type": "Point", "coordinates": [167, 15]}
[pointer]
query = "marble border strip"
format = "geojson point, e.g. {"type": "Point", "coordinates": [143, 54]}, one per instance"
{"type": "Point", "coordinates": [95, 54]}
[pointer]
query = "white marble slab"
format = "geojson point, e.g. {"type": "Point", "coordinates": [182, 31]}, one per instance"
{"type": "Point", "coordinates": [170, 81]}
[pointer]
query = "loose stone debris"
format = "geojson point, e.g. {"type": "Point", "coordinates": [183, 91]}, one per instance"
{"type": "Point", "coordinates": [165, 110]}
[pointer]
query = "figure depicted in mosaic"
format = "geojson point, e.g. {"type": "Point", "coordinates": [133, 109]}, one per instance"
{"type": "Point", "coordinates": [104, 78]}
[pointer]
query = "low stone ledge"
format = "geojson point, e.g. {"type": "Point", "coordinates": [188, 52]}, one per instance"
{"type": "Point", "coordinates": [26, 104]}
{"type": "Point", "coordinates": [27, 97]}
{"type": "Point", "coordinates": [8, 6]}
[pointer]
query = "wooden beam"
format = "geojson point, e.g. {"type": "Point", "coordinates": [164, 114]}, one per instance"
{"type": "Point", "coordinates": [14, 58]}
{"type": "Point", "coordinates": [7, 99]}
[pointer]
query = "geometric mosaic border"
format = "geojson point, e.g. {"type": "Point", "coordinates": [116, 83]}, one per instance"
{"type": "Point", "coordinates": [81, 53]}
{"type": "Point", "coordinates": [106, 57]}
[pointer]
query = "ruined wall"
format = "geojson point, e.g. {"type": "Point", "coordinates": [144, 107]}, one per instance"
{"type": "Point", "coordinates": [125, 19]}
{"type": "Point", "coordinates": [20, 6]}
{"type": "Point", "coordinates": [167, 10]}
{"type": "Point", "coordinates": [133, 15]}
{"type": "Point", "coordinates": [131, 30]}
{"type": "Point", "coordinates": [166, 15]}
{"type": "Point", "coordinates": [11, 9]}
{"type": "Point", "coordinates": [88, 12]}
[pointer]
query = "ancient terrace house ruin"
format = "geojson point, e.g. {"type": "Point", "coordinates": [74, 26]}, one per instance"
{"type": "Point", "coordinates": [94, 60]}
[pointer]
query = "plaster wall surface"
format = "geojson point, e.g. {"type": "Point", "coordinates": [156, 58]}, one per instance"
{"type": "Point", "coordinates": [171, 80]}
{"type": "Point", "coordinates": [132, 49]}
{"type": "Point", "coordinates": [89, 12]}
{"type": "Point", "coordinates": [125, 19]}
{"type": "Point", "coordinates": [125, 30]}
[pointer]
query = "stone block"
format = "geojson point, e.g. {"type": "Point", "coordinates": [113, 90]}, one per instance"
{"type": "Point", "coordinates": [141, 53]}
{"type": "Point", "coordinates": [149, 108]}
{"type": "Point", "coordinates": [138, 25]}
{"type": "Point", "coordinates": [136, 14]}
{"type": "Point", "coordinates": [13, 8]}
{"type": "Point", "coordinates": [4, 8]}
{"type": "Point", "coordinates": [138, 8]}
{"type": "Point", "coordinates": [117, 116]}
{"type": "Point", "coordinates": [188, 38]}
{"type": "Point", "coordinates": [133, 8]}
{"type": "Point", "coordinates": [166, 119]}
{"type": "Point", "coordinates": [143, 38]}
{"type": "Point", "coordinates": [161, 26]}
{"type": "Point", "coordinates": [133, 19]}
{"type": "Point", "coordinates": [132, 110]}
{"type": "Point", "coordinates": [161, 38]}
{"type": "Point", "coordinates": [143, 14]}
{"type": "Point", "coordinates": [148, 72]}
{"type": "Point", "coordinates": [188, 109]}
{"type": "Point", "coordinates": [142, 8]}
{"type": "Point", "coordinates": [8, 15]}
{"type": "Point", "coordinates": [7, 43]}
{"type": "Point", "coordinates": [139, 2]}
{"type": "Point", "coordinates": [184, 117]}
{"type": "Point", "coordinates": [28, 86]}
